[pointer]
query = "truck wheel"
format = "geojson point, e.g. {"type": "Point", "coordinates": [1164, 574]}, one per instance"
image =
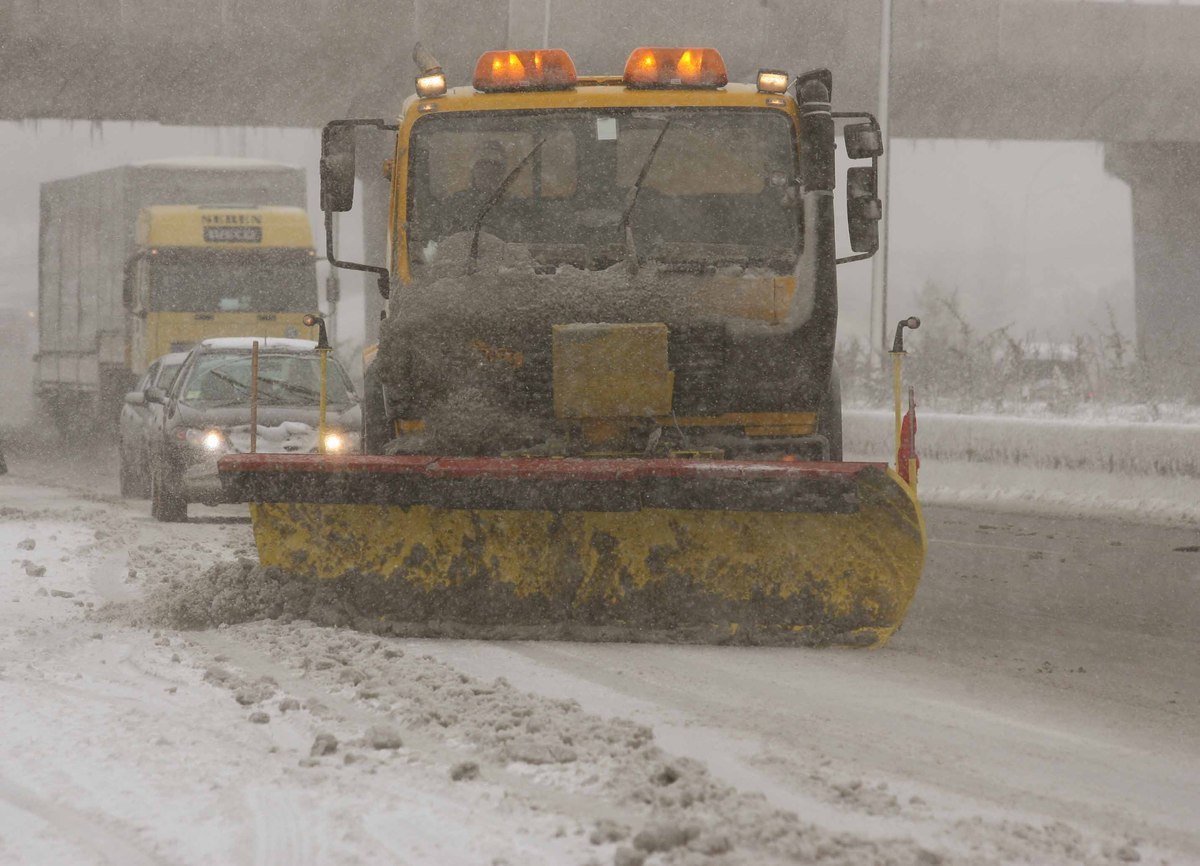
{"type": "Point", "coordinates": [166, 503]}
{"type": "Point", "coordinates": [829, 417]}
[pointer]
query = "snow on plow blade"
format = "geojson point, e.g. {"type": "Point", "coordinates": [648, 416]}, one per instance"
{"type": "Point", "coordinates": [596, 549]}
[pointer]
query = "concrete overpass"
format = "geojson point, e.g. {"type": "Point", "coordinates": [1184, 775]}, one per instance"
{"type": "Point", "coordinates": [1119, 73]}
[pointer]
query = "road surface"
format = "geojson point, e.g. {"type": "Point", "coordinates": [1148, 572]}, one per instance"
{"type": "Point", "coordinates": [1040, 704]}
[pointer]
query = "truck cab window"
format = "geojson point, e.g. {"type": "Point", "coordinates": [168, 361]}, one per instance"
{"type": "Point", "coordinates": [720, 178]}
{"type": "Point", "coordinates": [203, 280]}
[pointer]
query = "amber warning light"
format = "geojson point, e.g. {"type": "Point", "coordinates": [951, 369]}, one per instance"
{"type": "Point", "coordinates": [675, 67]}
{"type": "Point", "coordinates": [548, 69]}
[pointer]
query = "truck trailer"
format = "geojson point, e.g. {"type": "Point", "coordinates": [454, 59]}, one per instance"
{"type": "Point", "coordinates": [96, 272]}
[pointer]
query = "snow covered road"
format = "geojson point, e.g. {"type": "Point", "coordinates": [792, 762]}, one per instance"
{"type": "Point", "coordinates": [1044, 671]}
{"type": "Point", "coordinates": [1041, 704]}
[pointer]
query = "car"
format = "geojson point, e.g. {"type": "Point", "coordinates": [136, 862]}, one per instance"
{"type": "Point", "coordinates": [139, 419]}
{"type": "Point", "coordinates": [206, 414]}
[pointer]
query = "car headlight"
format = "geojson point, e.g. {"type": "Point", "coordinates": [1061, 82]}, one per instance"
{"type": "Point", "coordinates": [210, 440]}
{"type": "Point", "coordinates": [337, 442]}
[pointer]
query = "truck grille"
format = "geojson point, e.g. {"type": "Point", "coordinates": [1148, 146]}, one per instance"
{"type": "Point", "coordinates": [699, 356]}
{"type": "Point", "coordinates": [533, 389]}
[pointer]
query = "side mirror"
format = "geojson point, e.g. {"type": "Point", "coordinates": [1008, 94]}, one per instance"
{"type": "Point", "coordinates": [824, 76]}
{"type": "Point", "coordinates": [337, 186]}
{"type": "Point", "coordinates": [156, 395]}
{"type": "Point", "coordinates": [863, 140]}
{"type": "Point", "coordinates": [337, 167]}
{"type": "Point", "coordinates": [863, 209]}
{"type": "Point", "coordinates": [136, 398]}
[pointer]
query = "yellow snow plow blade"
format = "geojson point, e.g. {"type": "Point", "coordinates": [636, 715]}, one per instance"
{"type": "Point", "coordinates": [625, 549]}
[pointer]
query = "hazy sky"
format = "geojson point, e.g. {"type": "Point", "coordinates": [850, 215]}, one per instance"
{"type": "Point", "coordinates": [1029, 233]}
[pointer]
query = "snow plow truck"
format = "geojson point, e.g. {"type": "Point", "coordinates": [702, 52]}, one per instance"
{"type": "Point", "coordinates": [603, 404]}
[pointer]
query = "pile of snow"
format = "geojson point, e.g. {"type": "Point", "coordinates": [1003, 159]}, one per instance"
{"type": "Point", "coordinates": [1091, 444]}
{"type": "Point", "coordinates": [234, 592]}
{"type": "Point", "coordinates": [290, 437]}
{"type": "Point", "coordinates": [457, 311]}
{"type": "Point", "coordinates": [659, 804]}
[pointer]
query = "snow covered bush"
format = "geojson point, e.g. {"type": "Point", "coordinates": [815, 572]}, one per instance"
{"type": "Point", "coordinates": [957, 367]}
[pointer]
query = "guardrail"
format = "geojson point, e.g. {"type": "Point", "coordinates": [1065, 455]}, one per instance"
{"type": "Point", "coordinates": [1132, 448]}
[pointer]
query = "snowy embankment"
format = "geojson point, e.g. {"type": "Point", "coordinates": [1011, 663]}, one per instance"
{"type": "Point", "coordinates": [1099, 445]}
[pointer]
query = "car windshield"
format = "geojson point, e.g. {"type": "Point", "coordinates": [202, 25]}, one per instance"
{"type": "Point", "coordinates": [201, 280]}
{"type": "Point", "coordinates": [719, 179]}
{"type": "Point", "coordinates": [283, 379]}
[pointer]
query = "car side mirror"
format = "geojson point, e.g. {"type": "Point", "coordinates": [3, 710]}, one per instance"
{"type": "Point", "coordinates": [136, 398]}
{"type": "Point", "coordinates": [337, 168]}
{"type": "Point", "coordinates": [156, 395]}
{"type": "Point", "coordinates": [863, 209]}
{"type": "Point", "coordinates": [863, 140]}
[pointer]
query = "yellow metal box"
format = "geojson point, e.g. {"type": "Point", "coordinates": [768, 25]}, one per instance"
{"type": "Point", "coordinates": [611, 371]}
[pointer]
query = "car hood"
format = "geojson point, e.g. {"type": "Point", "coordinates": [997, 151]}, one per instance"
{"type": "Point", "coordinates": [225, 417]}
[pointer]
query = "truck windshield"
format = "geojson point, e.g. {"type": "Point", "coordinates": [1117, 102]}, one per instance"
{"type": "Point", "coordinates": [212, 281]}
{"type": "Point", "coordinates": [720, 184]}
{"type": "Point", "coordinates": [288, 380]}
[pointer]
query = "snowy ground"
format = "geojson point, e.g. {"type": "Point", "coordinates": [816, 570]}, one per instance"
{"type": "Point", "coordinates": [1041, 705]}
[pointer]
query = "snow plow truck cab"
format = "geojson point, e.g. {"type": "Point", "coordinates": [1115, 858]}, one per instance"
{"type": "Point", "coordinates": [603, 404]}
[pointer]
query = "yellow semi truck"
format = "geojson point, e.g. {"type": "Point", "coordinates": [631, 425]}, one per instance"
{"type": "Point", "coordinates": [206, 271]}
{"type": "Point", "coordinates": [143, 259]}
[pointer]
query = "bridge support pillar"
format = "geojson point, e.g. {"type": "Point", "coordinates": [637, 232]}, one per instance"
{"type": "Point", "coordinates": [1164, 181]}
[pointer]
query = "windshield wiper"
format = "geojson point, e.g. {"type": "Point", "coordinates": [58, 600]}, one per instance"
{"type": "Point", "coordinates": [298, 389]}
{"type": "Point", "coordinates": [232, 381]}
{"type": "Point", "coordinates": [495, 197]}
{"type": "Point", "coordinates": [626, 228]}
